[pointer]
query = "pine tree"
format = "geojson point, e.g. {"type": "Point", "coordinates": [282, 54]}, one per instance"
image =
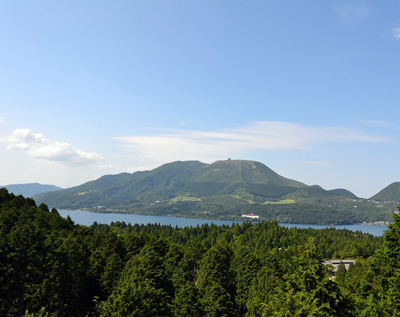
{"type": "Point", "coordinates": [340, 273]}
{"type": "Point", "coordinates": [382, 285]}
{"type": "Point", "coordinates": [215, 281]}
{"type": "Point", "coordinates": [144, 288]}
{"type": "Point", "coordinates": [308, 291]}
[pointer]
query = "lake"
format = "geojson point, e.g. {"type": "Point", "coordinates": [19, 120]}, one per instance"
{"type": "Point", "coordinates": [375, 230]}
{"type": "Point", "coordinates": [87, 218]}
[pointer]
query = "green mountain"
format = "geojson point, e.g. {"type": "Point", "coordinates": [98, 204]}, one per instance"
{"type": "Point", "coordinates": [221, 190]}
{"type": "Point", "coordinates": [343, 192]}
{"type": "Point", "coordinates": [190, 179]}
{"type": "Point", "coordinates": [31, 189]}
{"type": "Point", "coordinates": [389, 193]}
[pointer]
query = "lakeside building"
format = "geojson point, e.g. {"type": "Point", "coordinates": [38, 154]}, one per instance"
{"type": "Point", "coordinates": [251, 216]}
{"type": "Point", "coordinates": [335, 264]}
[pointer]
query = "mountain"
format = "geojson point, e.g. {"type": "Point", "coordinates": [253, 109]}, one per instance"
{"type": "Point", "coordinates": [31, 189]}
{"type": "Point", "coordinates": [189, 178]}
{"type": "Point", "coordinates": [389, 193]}
{"type": "Point", "coordinates": [343, 192]}
{"type": "Point", "coordinates": [221, 190]}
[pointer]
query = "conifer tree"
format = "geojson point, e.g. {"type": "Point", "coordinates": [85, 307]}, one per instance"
{"type": "Point", "coordinates": [308, 291]}
{"type": "Point", "coordinates": [382, 285]}
{"type": "Point", "coordinates": [340, 273]}
{"type": "Point", "coordinates": [215, 281]}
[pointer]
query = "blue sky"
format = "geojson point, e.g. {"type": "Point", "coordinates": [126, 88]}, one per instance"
{"type": "Point", "coordinates": [309, 88]}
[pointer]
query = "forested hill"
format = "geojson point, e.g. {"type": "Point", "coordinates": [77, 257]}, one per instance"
{"type": "Point", "coordinates": [51, 267]}
{"type": "Point", "coordinates": [222, 190]}
{"type": "Point", "coordinates": [389, 193]}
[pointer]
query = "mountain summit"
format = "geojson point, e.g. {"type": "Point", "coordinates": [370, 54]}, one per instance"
{"type": "Point", "coordinates": [240, 171]}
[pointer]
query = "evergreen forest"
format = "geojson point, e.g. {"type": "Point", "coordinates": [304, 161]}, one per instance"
{"type": "Point", "coordinates": [50, 266]}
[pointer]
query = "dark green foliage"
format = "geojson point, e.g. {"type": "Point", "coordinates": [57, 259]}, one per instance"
{"type": "Point", "coordinates": [215, 281]}
{"type": "Point", "coordinates": [340, 276]}
{"type": "Point", "coordinates": [245, 267]}
{"type": "Point", "coordinates": [42, 264]}
{"type": "Point", "coordinates": [262, 290]}
{"type": "Point", "coordinates": [382, 283]}
{"type": "Point", "coordinates": [107, 260]}
{"type": "Point", "coordinates": [308, 291]}
{"type": "Point", "coordinates": [51, 267]}
{"type": "Point", "coordinates": [187, 301]}
{"type": "Point", "coordinates": [144, 288]}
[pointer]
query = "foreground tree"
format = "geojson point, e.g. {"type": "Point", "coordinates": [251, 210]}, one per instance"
{"type": "Point", "coordinates": [245, 266]}
{"type": "Point", "coordinates": [144, 288]}
{"type": "Point", "coordinates": [340, 276]}
{"type": "Point", "coordinates": [382, 285]}
{"type": "Point", "coordinates": [43, 261]}
{"type": "Point", "coordinates": [215, 281]}
{"type": "Point", "coordinates": [308, 291]}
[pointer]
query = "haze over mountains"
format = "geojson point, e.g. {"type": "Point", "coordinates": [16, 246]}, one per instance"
{"type": "Point", "coordinates": [221, 190]}
{"type": "Point", "coordinates": [30, 189]}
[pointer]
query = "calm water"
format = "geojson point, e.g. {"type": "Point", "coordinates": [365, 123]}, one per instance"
{"type": "Point", "coordinates": [87, 218]}
{"type": "Point", "coordinates": [376, 230]}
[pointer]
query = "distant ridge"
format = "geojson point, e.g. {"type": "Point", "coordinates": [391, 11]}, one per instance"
{"type": "Point", "coordinates": [30, 189]}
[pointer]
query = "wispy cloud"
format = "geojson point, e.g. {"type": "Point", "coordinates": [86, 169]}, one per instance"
{"type": "Point", "coordinates": [2, 120]}
{"type": "Point", "coordinates": [376, 123]}
{"type": "Point", "coordinates": [354, 11]}
{"type": "Point", "coordinates": [37, 146]}
{"type": "Point", "coordinates": [184, 122]}
{"type": "Point", "coordinates": [170, 145]}
{"type": "Point", "coordinates": [381, 124]}
{"type": "Point", "coordinates": [396, 33]}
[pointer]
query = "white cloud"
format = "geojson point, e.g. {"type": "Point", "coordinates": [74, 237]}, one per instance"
{"type": "Point", "coordinates": [2, 120]}
{"type": "Point", "coordinates": [396, 33]}
{"type": "Point", "coordinates": [170, 145]}
{"type": "Point", "coordinates": [37, 146]}
{"type": "Point", "coordinates": [24, 138]}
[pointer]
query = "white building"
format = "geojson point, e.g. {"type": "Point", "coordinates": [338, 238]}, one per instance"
{"type": "Point", "coordinates": [251, 216]}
